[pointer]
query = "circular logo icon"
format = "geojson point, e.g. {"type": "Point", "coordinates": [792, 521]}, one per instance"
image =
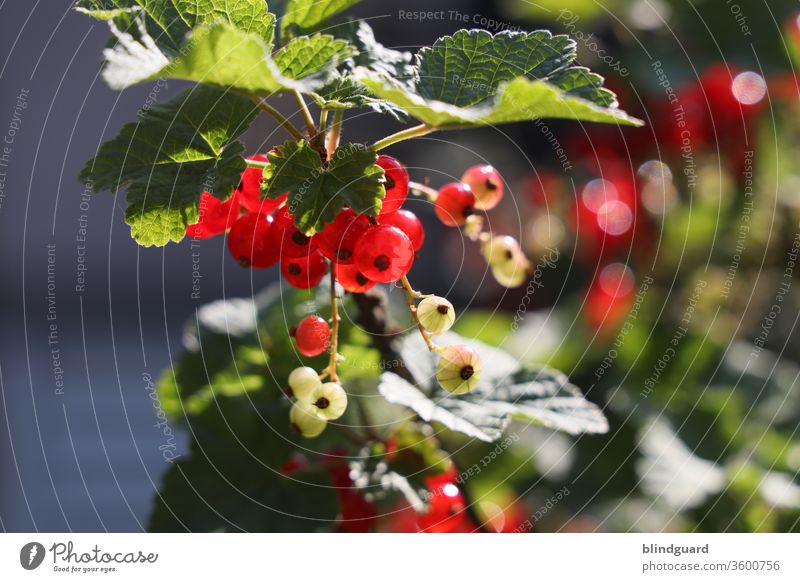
{"type": "Point", "coordinates": [31, 555]}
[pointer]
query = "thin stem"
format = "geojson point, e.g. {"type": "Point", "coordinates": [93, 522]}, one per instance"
{"type": "Point", "coordinates": [411, 296]}
{"type": "Point", "coordinates": [416, 131]}
{"type": "Point", "coordinates": [279, 117]}
{"type": "Point", "coordinates": [323, 122]}
{"type": "Point", "coordinates": [430, 193]}
{"type": "Point", "coordinates": [256, 164]}
{"type": "Point", "coordinates": [312, 128]}
{"type": "Point", "coordinates": [334, 330]}
{"type": "Point", "coordinates": [336, 132]}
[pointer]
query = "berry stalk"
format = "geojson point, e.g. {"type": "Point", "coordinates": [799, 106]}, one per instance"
{"type": "Point", "coordinates": [279, 117]}
{"type": "Point", "coordinates": [411, 297]}
{"type": "Point", "coordinates": [335, 133]}
{"type": "Point", "coordinates": [334, 349]}
{"type": "Point", "coordinates": [429, 193]}
{"type": "Point", "coordinates": [256, 164]}
{"type": "Point", "coordinates": [412, 132]}
{"type": "Point", "coordinates": [301, 103]}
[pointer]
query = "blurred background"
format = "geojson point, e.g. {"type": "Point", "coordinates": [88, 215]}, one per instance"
{"type": "Point", "coordinates": [665, 281]}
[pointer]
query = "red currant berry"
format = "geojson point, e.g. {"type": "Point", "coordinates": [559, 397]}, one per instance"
{"type": "Point", "coordinates": [304, 272]}
{"type": "Point", "coordinates": [249, 190]}
{"type": "Point", "coordinates": [351, 279]}
{"type": "Point", "coordinates": [338, 239]}
{"type": "Point", "coordinates": [609, 296]}
{"type": "Point", "coordinates": [408, 222]}
{"type": "Point", "coordinates": [250, 241]}
{"type": "Point", "coordinates": [291, 242]}
{"type": "Point", "coordinates": [396, 183]}
{"type": "Point", "coordinates": [312, 336]}
{"type": "Point", "coordinates": [487, 185]}
{"type": "Point", "coordinates": [445, 505]}
{"type": "Point", "coordinates": [216, 216]}
{"type": "Point", "coordinates": [384, 254]}
{"type": "Point", "coordinates": [454, 204]}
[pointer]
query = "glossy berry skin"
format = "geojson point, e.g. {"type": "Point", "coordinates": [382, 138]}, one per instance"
{"type": "Point", "coordinates": [216, 216]}
{"type": "Point", "coordinates": [408, 222]}
{"type": "Point", "coordinates": [304, 272]}
{"type": "Point", "coordinates": [305, 421]}
{"type": "Point", "coordinates": [291, 242]}
{"type": "Point", "coordinates": [486, 184]}
{"type": "Point", "coordinates": [396, 184]}
{"type": "Point", "coordinates": [329, 401]}
{"type": "Point", "coordinates": [436, 314]}
{"type": "Point", "coordinates": [351, 279]}
{"type": "Point", "coordinates": [249, 190]}
{"type": "Point", "coordinates": [459, 369]}
{"type": "Point", "coordinates": [338, 239]}
{"type": "Point", "coordinates": [312, 338]}
{"type": "Point", "coordinates": [384, 254]}
{"type": "Point", "coordinates": [454, 204]}
{"type": "Point", "coordinates": [250, 242]}
{"type": "Point", "coordinates": [303, 381]}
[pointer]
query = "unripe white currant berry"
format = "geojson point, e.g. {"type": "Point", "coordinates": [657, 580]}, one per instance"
{"type": "Point", "coordinates": [329, 401]}
{"type": "Point", "coordinates": [303, 381]}
{"type": "Point", "coordinates": [508, 263]}
{"type": "Point", "coordinates": [512, 274]}
{"type": "Point", "coordinates": [500, 249]}
{"type": "Point", "coordinates": [305, 420]}
{"type": "Point", "coordinates": [459, 369]}
{"type": "Point", "coordinates": [436, 314]}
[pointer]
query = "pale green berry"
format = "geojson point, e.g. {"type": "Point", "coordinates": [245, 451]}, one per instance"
{"type": "Point", "coordinates": [305, 420]}
{"type": "Point", "coordinates": [501, 249]}
{"type": "Point", "coordinates": [459, 369]}
{"type": "Point", "coordinates": [329, 400]}
{"type": "Point", "coordinates": [512, 274]}
{"type": "Point", "coordinates": [436, 314]}
{"type": "Point", "coordinates": [509, 264]}
{"type": "Point", "coordinates": [303, 381]}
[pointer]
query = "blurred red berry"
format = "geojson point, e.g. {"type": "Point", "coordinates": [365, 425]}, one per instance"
{"type": "Point", "coordinates": [454, 204]}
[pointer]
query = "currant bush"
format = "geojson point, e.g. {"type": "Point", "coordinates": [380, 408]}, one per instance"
{"type": "Point", "coordinates": [335, 216]}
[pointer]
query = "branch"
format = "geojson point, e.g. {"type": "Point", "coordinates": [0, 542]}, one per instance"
{"type": "Point", "coordinates": [334, 330]}
{"type": "Point", "coordinates": [279, 117]}
{"type": "Point", "coordinates": [416, 131]}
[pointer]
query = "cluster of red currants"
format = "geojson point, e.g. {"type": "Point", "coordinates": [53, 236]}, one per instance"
{"type": "Point", "coordinates": [362, 251]}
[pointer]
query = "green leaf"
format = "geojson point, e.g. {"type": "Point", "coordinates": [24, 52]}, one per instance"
{"type": "Point", "coordinates": [236, 485]}
{"type": "Point", "coordinates": [168, 21]}
{"type": "Point", "coordinates": [345, 92]}
{"type": "Point", "coordinates": [318, 192]}
{"type": "Point", "coordinates": [505, 391]}
{"type": "Point", "coordinates": [309, 54]}
{"type": "Point", "coordinates": [476, 78]}
{"type": "Point", "coordinates": [167, 159]}
{"type": "Point", "coordinates": [223, 55]}
{"type": "Point", "coordinates": [305, 16]}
